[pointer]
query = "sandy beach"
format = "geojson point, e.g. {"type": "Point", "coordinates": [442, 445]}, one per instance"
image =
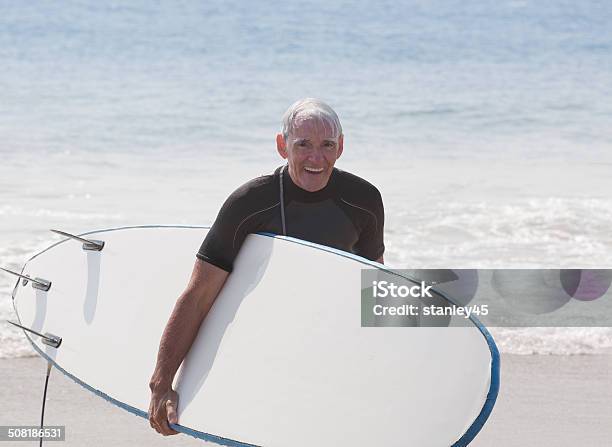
{"type": "Point", "coordinates": [544, 401]}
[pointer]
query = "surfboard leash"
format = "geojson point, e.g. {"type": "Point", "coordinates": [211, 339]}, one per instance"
{"type": "Point", "coordinates": [44, 400]}
{"type": "Point", "coordinates": [53, 341]}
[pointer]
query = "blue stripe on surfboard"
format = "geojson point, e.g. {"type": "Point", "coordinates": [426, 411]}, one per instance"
{"type": "Point", "coordinates": [477, 425]}
{"type": "Point", "coordinates": [465, 439]}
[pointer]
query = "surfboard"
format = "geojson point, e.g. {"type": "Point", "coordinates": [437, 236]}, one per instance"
{"type": "Point", "coordinates": [282, 358]}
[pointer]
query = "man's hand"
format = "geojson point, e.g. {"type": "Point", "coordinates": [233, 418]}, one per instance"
{"type": "Point", "coordinates": [163, 410]}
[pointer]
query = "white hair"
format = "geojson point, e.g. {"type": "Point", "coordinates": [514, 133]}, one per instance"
{"type": "Point", "coordinates": [310, 108]}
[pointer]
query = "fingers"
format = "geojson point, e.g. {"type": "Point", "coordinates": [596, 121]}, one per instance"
{"type": "Point", "coordinates": [151, 413]}
{"type": "Point", "coordinates": [160, 410]}
{"type": "Point", "coordinates": [171, 411]}
{"type": "Point", "coordinates": [165, 429]}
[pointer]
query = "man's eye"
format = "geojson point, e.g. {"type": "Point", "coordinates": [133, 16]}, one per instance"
{"type": "Point", "coordinates": [302, 144]}
{"type": "Point", "coordinates": [330, 144]}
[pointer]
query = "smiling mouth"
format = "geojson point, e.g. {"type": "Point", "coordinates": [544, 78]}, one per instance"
{"type": "Point", "coordinates": [313, 170]}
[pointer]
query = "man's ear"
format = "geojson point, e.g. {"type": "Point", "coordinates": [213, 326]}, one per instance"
{"type": "Point", "coordinates": [340, 146]}
{"type": "Point", "coordinates": [281, 145]}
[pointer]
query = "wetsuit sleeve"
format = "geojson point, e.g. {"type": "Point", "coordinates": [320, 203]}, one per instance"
{"type": "Point", "coordinates": [371, 238]}
{"type": "Point", "coordinates": [223, 241]}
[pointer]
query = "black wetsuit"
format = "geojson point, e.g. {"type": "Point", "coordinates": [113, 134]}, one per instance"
{"type": "Point", "coordinates": [347, 214]}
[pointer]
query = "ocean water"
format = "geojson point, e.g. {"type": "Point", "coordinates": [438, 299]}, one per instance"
{"type": "Point", "coordinates": [486, 125]}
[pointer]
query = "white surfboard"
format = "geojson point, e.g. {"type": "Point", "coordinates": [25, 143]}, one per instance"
{"type": "Point", "coordinates": [281, 359]}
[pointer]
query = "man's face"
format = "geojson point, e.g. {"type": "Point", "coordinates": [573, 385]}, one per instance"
{"type": "Point", "coordinates": [311, 150]}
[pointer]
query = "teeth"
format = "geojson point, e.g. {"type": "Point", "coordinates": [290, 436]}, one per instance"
{"type": "Point", "coordinates": [314, 170]}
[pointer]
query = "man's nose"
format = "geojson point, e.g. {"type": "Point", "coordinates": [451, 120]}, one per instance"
{"type": "Point", "coordinates": [316, 155]}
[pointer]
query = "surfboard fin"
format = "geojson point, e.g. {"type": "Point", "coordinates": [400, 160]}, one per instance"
{"type": "Point", "coordinates": [47, 338]}
{"type": "Point", "coordinates": [37, 283]}
{"type": "Point", "coordinates": [88, 244]}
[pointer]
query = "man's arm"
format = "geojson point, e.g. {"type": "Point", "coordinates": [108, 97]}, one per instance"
{"type": "Point", "coordinates": [189, 311]}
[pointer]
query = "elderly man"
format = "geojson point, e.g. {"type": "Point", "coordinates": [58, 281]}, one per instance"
{"type": "Point", "coordinates": [307, 198]}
